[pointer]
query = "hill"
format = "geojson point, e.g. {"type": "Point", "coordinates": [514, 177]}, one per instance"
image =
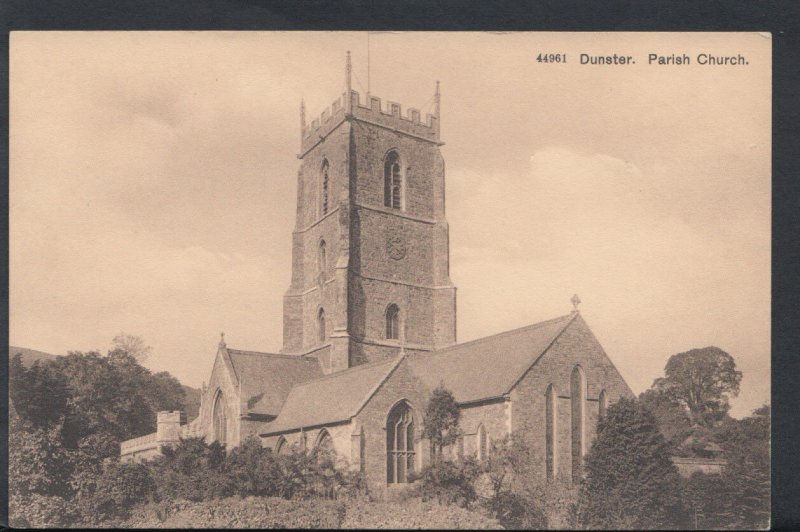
{"type": "Point", "coordinates": [29, 356]}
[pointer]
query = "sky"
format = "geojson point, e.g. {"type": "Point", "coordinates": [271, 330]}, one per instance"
{"type": "Point", "coordinates": [153, 186]}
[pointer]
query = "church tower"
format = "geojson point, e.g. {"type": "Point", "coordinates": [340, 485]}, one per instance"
{"type": "Point", "coordinates": [370, 250]}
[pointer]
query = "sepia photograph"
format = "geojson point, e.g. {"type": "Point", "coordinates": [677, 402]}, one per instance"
{"type": "Point", "coordinates": [378, 279]}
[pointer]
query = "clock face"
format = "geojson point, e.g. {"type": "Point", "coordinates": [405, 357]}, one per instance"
{"type": "Point", "coordinates": [396, 247]}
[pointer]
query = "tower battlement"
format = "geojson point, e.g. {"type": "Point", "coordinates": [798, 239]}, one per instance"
{"type": "Point", "coordinates": [372, 111]}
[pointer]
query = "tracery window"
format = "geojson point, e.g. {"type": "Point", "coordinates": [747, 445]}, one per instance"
{"type": "Point", "coordinates": [392, 181]}
{"type": "Point", "coordinates": [325, 179]}
{"type": "Point", "coordinates": [550, 432]}
{"type": "Point", "coordinates": [392, 322]}
{"type": "Point", "coordinates": [400, 452]}
{"type": "Point", "coordinates": [577, 387]}
{"type": "Point", "coordinates": [220, 421]}
{"type": "Point", "coordinates": [321, 325]}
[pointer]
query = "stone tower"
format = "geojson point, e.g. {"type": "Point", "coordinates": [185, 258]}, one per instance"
{"type": "Point", "coordinates": [370, 250]}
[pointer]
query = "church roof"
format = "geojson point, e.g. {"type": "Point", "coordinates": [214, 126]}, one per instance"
{"type": "Point", "coordinates": [267, 378]}
{"type": "Point", "coordinates": [488, 367]}
{"type": "Point", "coordinates": [481, 369]}
{"type": "Point", "coordinates": [332, 398]}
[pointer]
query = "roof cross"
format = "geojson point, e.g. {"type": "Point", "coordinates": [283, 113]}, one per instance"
{"type": "Point", "coordinates": [575, 302]}
{"type": "Point", "coordinates": [222, 339]}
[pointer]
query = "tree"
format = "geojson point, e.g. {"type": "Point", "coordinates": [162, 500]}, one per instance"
{"type": "Point", "coordinates": [672, 418]}
{"type": "Point", "coordinates": [701, 380]}
{"type": "Point", "coordinates": [38, 394]}
{"type": "Point", "coordinates": [441, 421]}
{"type": "Point", "coordinates": [630, 480]}
{"type": "Point", "coordinates": [133, 345]}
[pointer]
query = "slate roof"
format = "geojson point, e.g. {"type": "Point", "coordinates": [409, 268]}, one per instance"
{"type": "Point", "coordinates": [481, 369]}
{"type": "Point", "coordinates": [332, 398]}
{"type": "Point", "coordinates": [267, 378]}
{"type": "Point", "coordinates": [488, 367]}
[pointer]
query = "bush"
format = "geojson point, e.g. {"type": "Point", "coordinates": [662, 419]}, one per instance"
{"type": "Point", "coordinates": [40, 511]}
{"type": "Point", "coordinates": [192, 470]}
{"type": "Point", "coordinates": [449, 482]}
{"type": "Point", "coordinates": [119, 488]}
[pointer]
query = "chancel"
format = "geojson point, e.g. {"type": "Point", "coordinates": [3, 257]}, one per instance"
{"type": "Point", "coordinates": [369, 323]}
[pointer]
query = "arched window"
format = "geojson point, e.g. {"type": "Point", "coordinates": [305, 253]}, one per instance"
{"type": "Point", "coordinates": [321, 325]}
{"type": "Point", "coordinates": [392, 322]}
{"type": "Point", "coordinates": [400, 454]}
{"type": "Point", "coordinates": [324, 443]}
{"type": "Point", "coordinates": [603, 404]}
{"type": "Point", "coordinates": [392, 181]}
{"type": "Point", "coordinates": [482, 444]}
{"type": "Point", "coordinates": [322, 258]}
{"type": "Point", "coordinates": [220, 421]}
{"type": "Point", "coordinates": [325, 185]}
{"type": "Point", "coordinates": [550, 431]}
{"type": "Point", "coordinates": [280, 446]}
{"type": "Point", "coordinates": [577, 387]}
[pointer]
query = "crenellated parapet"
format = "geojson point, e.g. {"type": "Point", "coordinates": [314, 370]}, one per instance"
{"type": "Point", "coordinates": [372, 111]}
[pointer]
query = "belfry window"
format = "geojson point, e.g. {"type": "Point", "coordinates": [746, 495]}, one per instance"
{"type": "Point", "coordinates": [321, 325]}
{"type": "Point", "coordinates": [400, 453]}
{"type": "Point", "coordinates": [392, 322]}
{"type": "Point", "coordinates": [325, 184]}
{"type": "Point", "coordinates": [322, 257]}
{"type": "Point", "coordinates": [392, 181]}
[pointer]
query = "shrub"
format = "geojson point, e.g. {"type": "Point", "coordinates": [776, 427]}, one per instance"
{"type": "Point", "coordinates": [250, 469]}
{"type": "Point", "coordinates": [192, 470]}
{"type": "Point", "coordinates": [40, 511]}
{"type": "Point", "coordinates": [630, 480]}
{"type": "Point", "coordinates": [119, 488]}
{"type": "Point", "coordinates": [449, 482]}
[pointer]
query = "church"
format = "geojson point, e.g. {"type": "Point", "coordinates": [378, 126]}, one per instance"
{"type": "Point", "coordinates": [369, 324]}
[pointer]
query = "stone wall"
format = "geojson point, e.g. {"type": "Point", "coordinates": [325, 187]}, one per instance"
{"type": "Point", "coordinates": [575, 346]}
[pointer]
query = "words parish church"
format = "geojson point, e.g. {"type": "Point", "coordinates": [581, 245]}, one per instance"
{"type": "Point", "coordinates": [369, 324]}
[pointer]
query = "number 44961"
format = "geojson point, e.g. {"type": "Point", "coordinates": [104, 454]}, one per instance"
{"type": "Point", "coordinates": [551, 58]}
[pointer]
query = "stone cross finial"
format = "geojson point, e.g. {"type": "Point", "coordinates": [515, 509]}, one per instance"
{"type": "Point", "coordinates": [575, 302]}
{"type": "Point", "coordinates": [222, 339]}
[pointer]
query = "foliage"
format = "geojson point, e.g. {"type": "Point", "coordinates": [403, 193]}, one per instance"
{"type": "Point", "coordinates": [33, 510]}
{"type": "Point", "coordinates": [441, 421]}
{"type": "Point", "coordinates": [449, 482]}
{"type": "Point", "coordinates": [192, 470]}
{"type": "Point", "coordinates": [513, 495]}
{"type": "Point", "coordinates": [740, 497]}
{"type": "Point", "coordinates": [702, 381]}
{"type": "Point", "coordinates": [630, 480]}
{"type": "Point", "coordinates": [37, 463]}
{"type": "Point", "coordinates": [120, 487]}
{"type": "Point", "coordinates": [672, 417]}
{"type": "Point", "coordinates": [39, 394]}
{"type": "Point", "coordinates": [133, 345]}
